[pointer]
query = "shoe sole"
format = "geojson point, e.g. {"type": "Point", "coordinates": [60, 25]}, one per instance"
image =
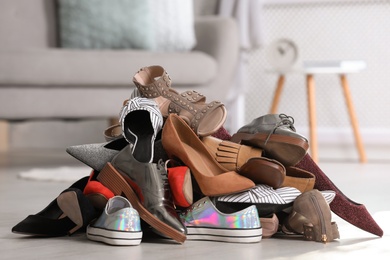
{"type": "Point", "coordinates": [112, 237]}
{"type": "Point", "coordinates": [225, 235]}
{"type": "Point", "coordinates": [114, 181]}
{"type": "Point", "coordinates": [286, 149]}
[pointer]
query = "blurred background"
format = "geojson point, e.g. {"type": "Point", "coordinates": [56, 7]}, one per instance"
{"type": "Point", "coordinates": [320, 30]}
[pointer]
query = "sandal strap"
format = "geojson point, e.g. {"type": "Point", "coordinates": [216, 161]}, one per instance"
{"type": "Point", "coordinates": [193, 96]}
{"type": "Point", "coordinates": [180, 104]}
{"type": "Point", "coordinates": [155, 88]}
{"type": "Point", "coordinates": [198, 111]}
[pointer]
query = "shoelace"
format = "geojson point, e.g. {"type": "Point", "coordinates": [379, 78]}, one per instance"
{"type": "Point", "coordinates": [162, 167]}
{"type": "Point", "coordinates": [285, 121]}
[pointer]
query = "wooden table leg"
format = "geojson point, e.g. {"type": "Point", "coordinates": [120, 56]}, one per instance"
{"type": "Point", "coordinates": [278, 92]}
{"type": "Point", "coordinates": [4, 135]}
{"type": "Point", "coordinates": [353, 118]}
{"type": "Point", "coordinates": [312, 116]}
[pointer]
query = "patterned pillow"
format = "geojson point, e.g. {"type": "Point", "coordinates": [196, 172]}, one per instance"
{"type": "Point", "coordinates": [127, 24]}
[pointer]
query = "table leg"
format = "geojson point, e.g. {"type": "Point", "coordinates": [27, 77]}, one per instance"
{"type": "Point", "coordinates": [4, 135]}
{"type": "Point", "coordinates": [278, 92]}
{"type": "Point", "coordinates": [353, 118]}
{"type": "Point", "coordinates": [312, 116]}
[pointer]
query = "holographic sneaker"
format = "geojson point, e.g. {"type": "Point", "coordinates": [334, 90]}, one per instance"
{"type": "Point", "coordinates": [119, 224]}
{"type": "Point", "coordinates": [205, 222]}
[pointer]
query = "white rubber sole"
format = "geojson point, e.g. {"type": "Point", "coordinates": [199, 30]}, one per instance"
{"type": "Point", "coordinates": [225, 235]}
{"type": "Point", "coordinates": [112, 237]}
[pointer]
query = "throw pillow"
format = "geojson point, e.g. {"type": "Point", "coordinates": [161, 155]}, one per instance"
{"type": "Point", "coordinates": [102, 24]}
{"type": "Point", "coordinates": [173, 22]}
{"type": "Point", "coordinates": [132, 24]}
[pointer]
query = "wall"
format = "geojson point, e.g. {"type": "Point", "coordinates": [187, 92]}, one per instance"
{"type": "Point", "coordinates": [328, 30]}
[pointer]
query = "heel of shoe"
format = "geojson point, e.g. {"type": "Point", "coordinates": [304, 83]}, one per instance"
{"type": "Point", "coordinates": [67, 202]}
{"type": "Point", "coordinates": [76, 207]}
{"type": "Point", "coordinates": [113, 180]}
{"type": "Point", "coordinates": [313, 233]}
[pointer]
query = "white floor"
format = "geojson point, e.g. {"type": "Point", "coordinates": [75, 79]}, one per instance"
{"type": "Point", "coordinates": [363, 183]}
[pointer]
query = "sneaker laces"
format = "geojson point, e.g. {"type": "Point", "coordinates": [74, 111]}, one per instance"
{"type": "Point", "coordinates": [285, 121]}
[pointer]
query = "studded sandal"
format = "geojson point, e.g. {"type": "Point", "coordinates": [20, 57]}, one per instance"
{"type": "Point", "coordinates": [203, 118]}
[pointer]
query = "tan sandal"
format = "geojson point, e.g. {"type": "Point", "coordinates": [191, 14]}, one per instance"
{"type": "Point", "coordinates": [203, 118]}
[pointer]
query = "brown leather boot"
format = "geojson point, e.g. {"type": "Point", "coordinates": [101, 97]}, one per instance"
{"type": "Point", "coordinates": [311, 217]}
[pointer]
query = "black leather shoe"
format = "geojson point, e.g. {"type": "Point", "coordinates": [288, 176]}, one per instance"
{"type": "Point", "coordinates": [69, 212]}
{"type": "Point", "coordinates": [146, 187]}
{"type": "Point", "coordinates": [276, 134]}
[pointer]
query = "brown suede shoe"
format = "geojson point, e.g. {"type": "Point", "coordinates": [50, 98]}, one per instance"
{"type": "Point", "coordinates": [247, 161]}
{"type": "Point", "coordinates": [181, 143]}
{"type": "Point", "coordinates": [230, 155]}
{"type": "Point", "coordinates": [311, 217]}
{"type": "Point", "coordinates": [298, 178]}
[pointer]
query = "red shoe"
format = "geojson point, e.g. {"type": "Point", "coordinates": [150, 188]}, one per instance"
{"type": "Point", "coordinates": [350, 211]}
{"type": "Point", "coordinates": [179, 178]}
{"type": "Point", "coordinates": [96, 192]}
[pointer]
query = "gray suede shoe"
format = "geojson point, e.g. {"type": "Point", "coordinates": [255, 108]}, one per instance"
{"type": "Point", "coordinates": [276, 134]}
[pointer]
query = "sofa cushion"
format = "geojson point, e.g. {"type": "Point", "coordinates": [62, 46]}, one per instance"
{"type": "Point", "coordinates": [100, 67]}
{"type": "Point", "coordinates": [127, 24]}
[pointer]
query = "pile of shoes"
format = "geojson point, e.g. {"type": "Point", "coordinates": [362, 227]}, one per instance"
{"type": "Point", "coordinates": [169, 165]}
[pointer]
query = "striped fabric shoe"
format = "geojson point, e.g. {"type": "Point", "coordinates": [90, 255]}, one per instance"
{"type": "Point", "coordinates": [205, 222]}
{"type": "Point", "coordinates": [267, 200]}
{"type": "Point", "coordinates": [119, 224]}
{"type": "Point", "coordinates": [141, 121]}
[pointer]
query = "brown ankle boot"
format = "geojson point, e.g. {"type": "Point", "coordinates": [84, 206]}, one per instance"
{"type": "Point", "coordinates": [311, 217]}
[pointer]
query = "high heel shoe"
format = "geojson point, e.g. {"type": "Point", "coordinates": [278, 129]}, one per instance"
{"type": "Point", "coordinates": [98, 154]}
{"type": "Point", "coordinates": [203, 118]}
{"type": "Point", "coordinates": [96, 192]}
{"type": "Point", "coordinates": [350, 211]}
{"type": "Point", "coordinates": [179, 178]}
{"type": "Point", "coordinates": [66, 214]}
{"type": "Point", "coordinates": [179, 141]}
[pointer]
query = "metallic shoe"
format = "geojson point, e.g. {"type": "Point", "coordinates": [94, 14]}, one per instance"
{"type": "Point", "coordinates": [146, 186]}
{"type": "Point", "coordinates": [276, 134]}
{"type": "Point", "coordinates": [205, 222]}
{"type": "Point", "coordinates": [119, 224]}
{"type": "Point", "coordinates": [98, 155]}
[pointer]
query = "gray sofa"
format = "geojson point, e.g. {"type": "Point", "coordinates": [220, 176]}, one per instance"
{"type": "Point", "coordinates": [39, 80]}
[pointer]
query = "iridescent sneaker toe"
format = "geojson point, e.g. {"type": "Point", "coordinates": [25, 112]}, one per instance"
{"type": "Point", "coordinates": [205, 222]}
